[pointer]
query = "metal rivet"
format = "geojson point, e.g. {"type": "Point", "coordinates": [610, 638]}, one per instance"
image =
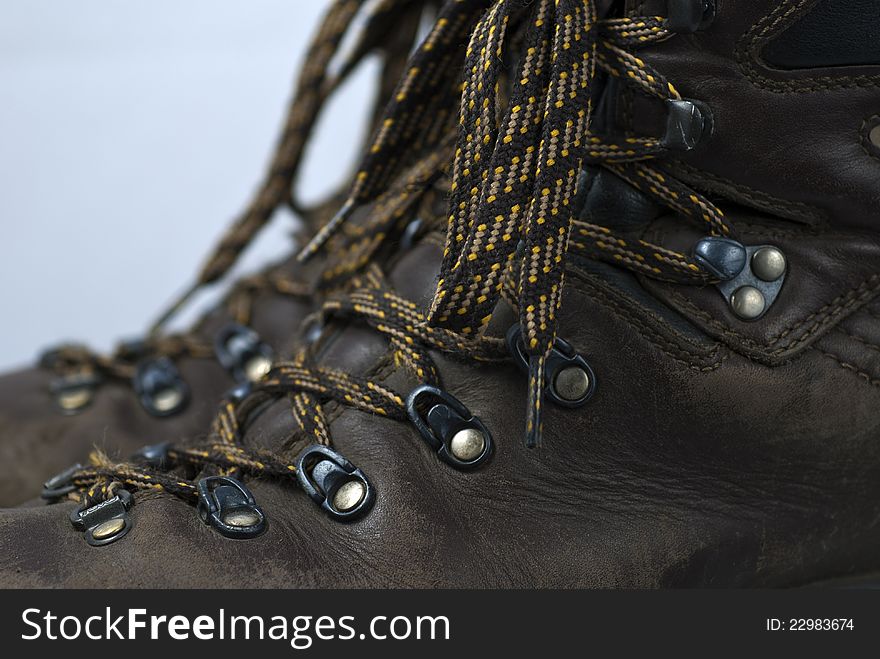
{"type": "Point", "coordinates": [572, 383]}
{"type": "Point", "coordinates": [167, 399]}
{"type": "Point", "coordinates": [874, 136]}
{"type": "Point", "coordinates": [257, 367]}
{"type": "Point", "coordinates": [349, 495]}
{"type": "Point", "coordinates": [768, 263]}
{"type": "Point", "coordinates": [748, 303]}
{"type": "Point", "coordinates": [74, 399]}
{"type": "Point", "coordinates": [467, 444]}
{"type": "Point", "coordinates": [107, 529]}
{"type": "Point", "coordinates": [241, 517]}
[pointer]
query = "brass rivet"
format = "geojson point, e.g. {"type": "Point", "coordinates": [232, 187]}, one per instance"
{"type": "Point", "coordinates": [109, 528]}
{"type": "Point", "coordinates": [167, 399]}
{"type": "Point", "coordinates": [241, 517]}
{"type": "Point", "coordinates": [572, 383]}
{"type": "Point", "coordinates": [257, 367]}
{"type": "Point", "coordinates": [748, 302]}
{"type": "Point", "coordinates": [75, 399]}
{"type": "Point", "coordinates": [768, 263]}
{"type": "Point", "coordinates": [467, 444]}
{"type": "Point", "coordinates": [349, 495]}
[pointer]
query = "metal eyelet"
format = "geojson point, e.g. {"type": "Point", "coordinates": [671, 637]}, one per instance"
{"type": "Point", "coordinates": [161, 389]}
{"type": "Point", "coordinates": [335, 484]}
{"type": "Point", "coordinates": [153, 455]}
{"type": "Point", "coordinates": [105, 522]}
{"type": "Point", "coordinates": [240, 351]}
{"type": "Point", "coordinates": [688, 124]}
{"type": "Point", "coordinates": [459, 438]}
{"type": "Point", "coordinates": [751, 277]}
{"type": "Point", "coordinates": [74, 393]}
{"type": "Point", "coordinates": [60, 484]}
{"type": "Point", "coordinates": [570, 380]}
{"type": "Point", "coordinates": [227, 505]}
{"type": "Point", "coordinates": [689, 16]}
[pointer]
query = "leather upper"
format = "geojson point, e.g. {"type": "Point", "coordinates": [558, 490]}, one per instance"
{"type": "Point", "coordinates": [715, 452]}
{"type": "Point", "coordinates": [787, 142]}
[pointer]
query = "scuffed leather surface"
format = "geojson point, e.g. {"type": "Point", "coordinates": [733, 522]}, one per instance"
{"type": "Point", "coordinates": [692, 466]}
{"type": "Point", "coordinates": [695, 464]}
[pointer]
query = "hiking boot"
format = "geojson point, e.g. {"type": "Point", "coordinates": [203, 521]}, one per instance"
{"type": "Point", "coordinates": [167, 386]}
{"type": "Point", "coordinates": [680, 309]}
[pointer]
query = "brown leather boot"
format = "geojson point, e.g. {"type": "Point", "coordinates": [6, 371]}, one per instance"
{"type": "Point", "coordinates": [167, 386]}
{"type": "Point", "coordinates": [693, 335]}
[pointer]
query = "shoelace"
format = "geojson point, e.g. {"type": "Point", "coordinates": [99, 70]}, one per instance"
{"type": "Point", "coordinates": [513, 179]}
{"type": "Point", "coordinates": [510, 226]}
{"type": "Point", "coordinates": [389, 31]}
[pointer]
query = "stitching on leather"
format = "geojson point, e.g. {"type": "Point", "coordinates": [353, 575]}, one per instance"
{"type": "Point", "coordinates": [816, 321]}
{"type": "Point", "coordinates": [693, 360]}
{"type": "Point", "coordinates": [865, 131]}
{"type": "Point", "coordinates": [614, 296]}
{"type": "Point", "coordinates": [748, 52]}
{"type": "Point", "coordinates": [756, 231]}
{"type": "Point", "coordinates": [761, 200]}
{"type": "Point", "coordinates": [860, 339]}
{"type": "Point", "coordinates": [763, 231]}
{"type": "Point", "coordinates": [864, 375]}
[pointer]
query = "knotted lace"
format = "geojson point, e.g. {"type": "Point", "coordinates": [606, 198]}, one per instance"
{"type": "Point", "coordinates": [523, 136]}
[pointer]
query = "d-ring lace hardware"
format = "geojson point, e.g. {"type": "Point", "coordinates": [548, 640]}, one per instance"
{"type": "Point", "coordinates": [335, 484]}
{"type": "Point", "coordinates": [160, 387]}
{"type": "Point", "coordinates": [459, 438]}
{"type": "Point", "coordinates": [569, 378]}
{"type": "Point", "coordinates": [242, 352]}
{"type": "Point", "coordinates": [688, 124]}
{"type": "Point", "coordinates": [75, 392]}
{"type": "Point", "coordinates": [227, 505]}
{"type": "Point", "coordinates": [751, 276]}
{"type": "Point", "coordinates": [104, 522]}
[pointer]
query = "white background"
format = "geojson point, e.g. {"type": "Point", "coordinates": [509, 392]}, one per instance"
{"type": "Point", "coordinates": [131, 133]}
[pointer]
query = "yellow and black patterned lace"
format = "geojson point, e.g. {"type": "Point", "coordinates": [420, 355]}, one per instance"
{"type": "Point", "coordinates": [516, 168]}
{"type": "Point", "coordinates": [522, 138]}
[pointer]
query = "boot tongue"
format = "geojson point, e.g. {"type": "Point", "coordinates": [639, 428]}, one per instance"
{"type": "Point", "coordinates": [356, 349]}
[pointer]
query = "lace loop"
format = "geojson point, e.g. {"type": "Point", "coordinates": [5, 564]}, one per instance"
{"type": "Point", "coordinates": [515, 171]}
